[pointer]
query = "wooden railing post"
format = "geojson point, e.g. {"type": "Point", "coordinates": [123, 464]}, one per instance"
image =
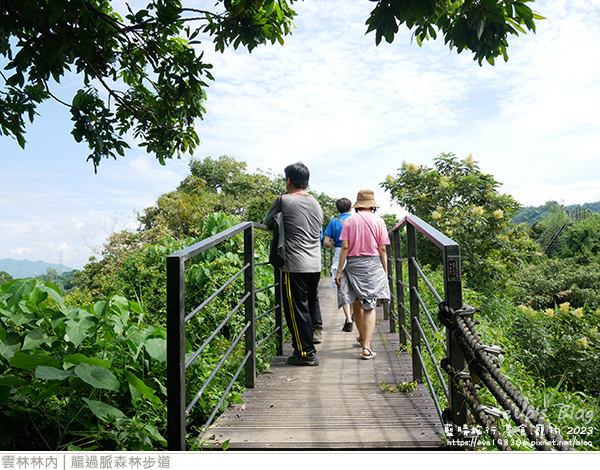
{"type": "Point", "coordinates": [413, 282]}
{"type": "Point", "coordinates": [250, 306]}
{"type": "Point", "coordinates": [176, 353]}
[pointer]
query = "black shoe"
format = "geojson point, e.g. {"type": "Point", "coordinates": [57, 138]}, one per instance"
{"type": "Point", "coordinates": [310, 360]}
{"type": "Point", "coordinates": [348, 326]}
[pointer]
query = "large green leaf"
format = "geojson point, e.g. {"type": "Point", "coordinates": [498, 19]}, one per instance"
{"type": "Point", "coordinates": [12, 381]}
{"type": "Point", "coordinates": [35, 338]}
{"type": "Point", "coordinates": [54, 292]}
{"type": "Point", "coordinates": [77, 331]}
{"type": "Point", "coordinates": [154, 434]}
{"type": "Point", "coordinates": [97, 376]}
{"type": "Point", "coordinates": [157, 348]}
{"type": "Point", "coordinates": [37, 296]}
{"type": "Point", "coordinates": [104, 411]}
{"type": "Point", "coordinates": [19, 289]}
{"type": "Point", "coordinates": [79, 358]}
{"type": "Point", "coordinates": [19, 318]}
{"type": "Point", "coordinates": [52, 373]}
{"type": "Point", "coordinates": [140, 386]}
{"type": "Point", "coordinates": [22, 360]}
{"type": "Point", "coordinates": [10, 344]}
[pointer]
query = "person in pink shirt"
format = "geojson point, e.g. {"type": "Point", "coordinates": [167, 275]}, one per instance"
{"type": "Point", "coordinates": [363, 280]}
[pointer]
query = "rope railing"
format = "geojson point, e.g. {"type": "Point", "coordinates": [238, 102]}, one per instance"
{"type": "Point", "coordinates": [470, 365]}
{"type": "Point", "coordinates": [483, 367]}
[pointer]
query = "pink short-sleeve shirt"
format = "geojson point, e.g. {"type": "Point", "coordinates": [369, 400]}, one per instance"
{"type": "Point", "coordinates": [365, 233]}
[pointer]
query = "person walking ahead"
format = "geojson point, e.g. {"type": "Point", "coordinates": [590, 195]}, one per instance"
{"type": "Point", "coordinates": [363, 281]}
{"type": "Point", "coordinates": [302, 220]}
{"type": "Point", "coordinates": [331, 239]}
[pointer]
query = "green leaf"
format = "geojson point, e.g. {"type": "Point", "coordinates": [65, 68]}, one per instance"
{"type": "Point", "coordinates": [78, 331]}
{"type": "Point", "coordinates": [12, 381]}
{"type": "Point", "coordinates": [53, 292]}
{"type": "Point", "coordinates": [35, 338]}
{"type": "Point", "coordinates": [79, 358]}
{"type": "Point", "coordinates": [10, 344]}
{"type": "Point", "coordinates": [157, 349]}
{"type": "Point", "coordinates": [37, 296]}
{"type": "Point", "coordinates": [104, 411]}
{"type": "Point", "coordinates": [52, 373]}
{"type": "Point", "coordinates": [154, 434]}
{"type": "Point", "coordinates": [31, 361]}
{"type": "Point", "coordinates": [97, 376]}
{"type": "Point", "coordinates": [19, 289]}
{"type": "Point", "coordinates": [139, 385]}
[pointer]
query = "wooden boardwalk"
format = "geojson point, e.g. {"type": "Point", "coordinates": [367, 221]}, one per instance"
{"type": "Point", "coordinates": [338, 405]}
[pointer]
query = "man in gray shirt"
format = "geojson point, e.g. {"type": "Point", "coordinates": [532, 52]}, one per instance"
{"type": "Point", "coordinates": [302, 220]}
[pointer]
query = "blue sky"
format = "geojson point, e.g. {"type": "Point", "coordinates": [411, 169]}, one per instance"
{"type": "Point", "coordinates": [351, 111]}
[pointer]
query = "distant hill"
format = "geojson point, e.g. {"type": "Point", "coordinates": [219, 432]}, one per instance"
{"type": "Point", "coordinates": [532, 214]}
{"type": "Point", "coordinates": [25, 268]}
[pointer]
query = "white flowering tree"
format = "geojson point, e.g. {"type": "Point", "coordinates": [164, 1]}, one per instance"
{"type": "Point", "coordinates": [459, 200]}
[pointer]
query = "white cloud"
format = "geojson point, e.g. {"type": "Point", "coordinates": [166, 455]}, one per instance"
{"type": "Point", "coordinates": [20, 251]}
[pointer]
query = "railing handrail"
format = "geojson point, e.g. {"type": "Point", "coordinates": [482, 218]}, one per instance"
{"type": "Point", "coordinates": [197, 248]}
{"type": "Point", "coordinates": [452, 295]}
{"type": "Point", "coordinates": [438, 238]}
{"type": "Point", "coordinates": [177, 320]}
{"type": "Point", "coordinates": [462, 341]}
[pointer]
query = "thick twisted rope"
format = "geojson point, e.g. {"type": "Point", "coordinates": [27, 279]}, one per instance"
{"type": "Point", "coordinates": [484, 367]}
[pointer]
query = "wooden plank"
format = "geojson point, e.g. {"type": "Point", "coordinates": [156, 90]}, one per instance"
{"type": "Point", "coordinates": [340, 404]}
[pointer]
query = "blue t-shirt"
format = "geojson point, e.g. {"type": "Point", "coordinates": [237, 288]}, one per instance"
{"type": "Point", "coordinates": [334, 228]}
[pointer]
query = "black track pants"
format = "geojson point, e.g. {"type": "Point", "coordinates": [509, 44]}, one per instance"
{"type": "Point", "coordinates": [299, 302]}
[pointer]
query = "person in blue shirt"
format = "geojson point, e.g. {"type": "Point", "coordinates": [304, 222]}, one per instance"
{"type": "Point", "coordinates": [331, 238]}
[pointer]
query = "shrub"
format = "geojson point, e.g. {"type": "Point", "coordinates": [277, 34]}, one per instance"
{"type": "Point", "coordinates": [558, 281]}
{"type": "Point", "coordinates": [82, 377]}
{"type": "Point", "coordinates": [559, 344]}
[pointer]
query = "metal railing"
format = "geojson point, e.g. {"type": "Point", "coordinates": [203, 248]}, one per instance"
{"type": "Point", "coordinates": [177, 318]}
{"type": "Point", "coordinates": [468, 361]}
{"type": "Point", "coordinates": [397, 309]}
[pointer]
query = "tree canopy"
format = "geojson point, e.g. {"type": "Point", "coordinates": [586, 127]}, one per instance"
{"type": "Point", "coordinates": [458, 199]}
{"type": "Point", "coordinates": [143, 70]}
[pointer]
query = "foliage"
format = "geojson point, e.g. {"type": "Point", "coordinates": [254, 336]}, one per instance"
{"type": "Point", "coordinates": [92, 376]}
{"type": "Point", "coordinates": [214, 185]}
{"type": "Point", "coordinates": [63, 281]}
{"type": "Point", "coordinates": [459, 200]}
{"type": "Point", "coordinates": [533, 214]}
{"type": "Point", "coordinates": [83, 377]}
{"type": "Point", "coordinates": [558, 281]}
{"type": "Point", "coordinates": [144, 61]}
{"type": "Point", "coordinates": [582, 240]}
{"type": "Point", "coordinates": [142, 71]}
{"type": "Point", "coordinates": [390, 220]}
{"type": "Point", "coordinates": [479, 26]}
{"type": "Point", "coordinates": [143, 275]}
{"type": "Point", "coordinates": [561, 344]}
{"type": "Point", "coordinates": [5, 277]}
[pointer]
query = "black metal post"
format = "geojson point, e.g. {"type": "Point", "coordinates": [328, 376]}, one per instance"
{"type": "Point", "coordinates": [413, 281]}
{"type": "Point", "coordinates": [399, 287]}
{"type": "Point", "coordinates": [389, 307]}
{"type": "Point", "coordinates": [249, 306]}
{"type": "Point", "coordinates": [453, 293]}
{"type": "Point", "coordinates": [279, 310]}
{"type": "Point", "coordinates": [176, 353]}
